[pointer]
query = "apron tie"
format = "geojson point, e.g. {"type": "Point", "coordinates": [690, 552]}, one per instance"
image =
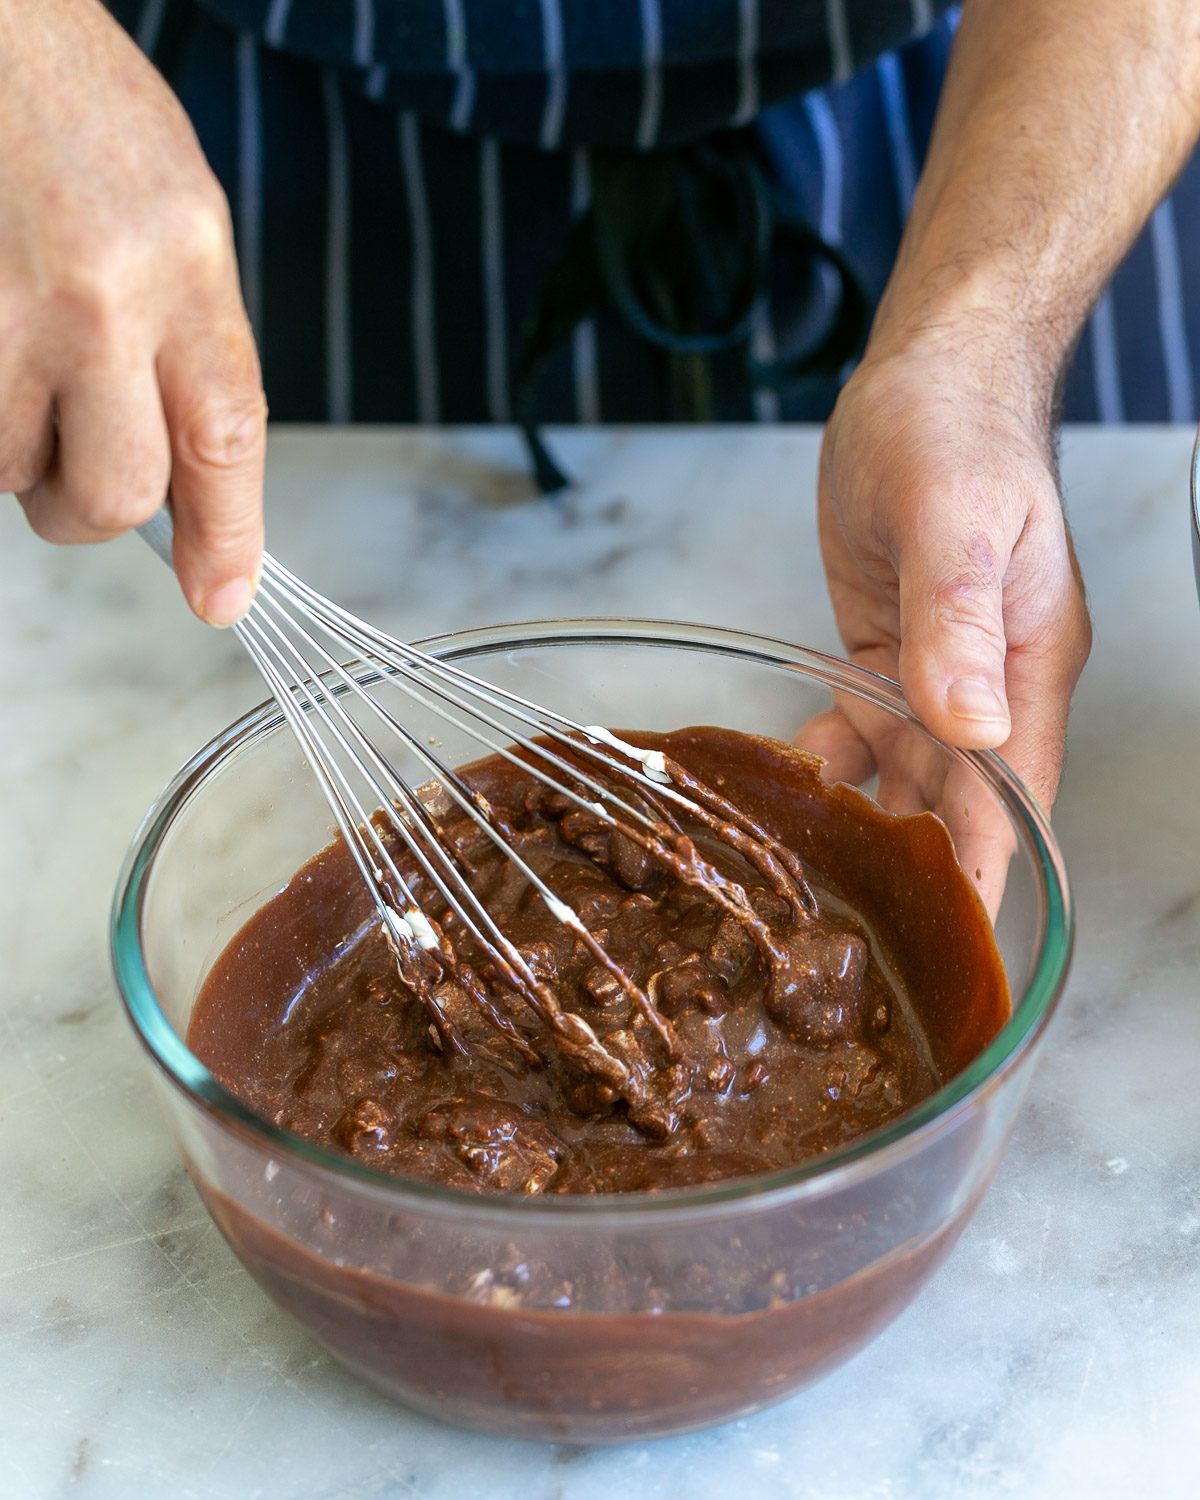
{"type": "Point", "coordinates": [679, 244]}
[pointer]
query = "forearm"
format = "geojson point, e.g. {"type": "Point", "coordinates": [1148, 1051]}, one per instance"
{"type": "Point", "coordinates": [1061, 126]}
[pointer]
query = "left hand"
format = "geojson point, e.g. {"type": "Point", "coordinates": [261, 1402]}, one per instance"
{"type": "Point", "coordinates": [949, 567]}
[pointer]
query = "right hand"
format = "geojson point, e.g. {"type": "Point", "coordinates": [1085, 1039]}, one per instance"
{"type": "Point", "coordinates": [127, 362]}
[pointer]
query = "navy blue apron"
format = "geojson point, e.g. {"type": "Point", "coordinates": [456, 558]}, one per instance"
{"type": "Point", "coordinates": [599, 210]}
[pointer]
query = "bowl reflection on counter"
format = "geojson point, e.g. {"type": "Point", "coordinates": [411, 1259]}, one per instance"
{"type": "Point", "coordinates": [578, 1319]}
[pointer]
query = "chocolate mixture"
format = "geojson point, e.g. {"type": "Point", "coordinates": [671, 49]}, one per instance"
{"type": "Point", "coordinates": [764, 1003]}
{"type": "Point", "coordinates": [735, 1037]}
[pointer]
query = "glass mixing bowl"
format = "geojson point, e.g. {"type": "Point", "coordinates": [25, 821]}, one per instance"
{"type": "Point", "coordinates": [697, 1305]}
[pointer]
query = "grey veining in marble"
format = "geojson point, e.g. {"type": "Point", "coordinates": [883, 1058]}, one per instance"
{"type": "Point", "coordinates": [1058, 1352]}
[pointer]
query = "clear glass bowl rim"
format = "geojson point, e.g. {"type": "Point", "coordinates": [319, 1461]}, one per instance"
{"type": "Point", "coordinates": [840, 1169]}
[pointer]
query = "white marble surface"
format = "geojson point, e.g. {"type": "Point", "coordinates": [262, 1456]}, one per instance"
{"type": "Point", "coordinates": [1056, 1355]}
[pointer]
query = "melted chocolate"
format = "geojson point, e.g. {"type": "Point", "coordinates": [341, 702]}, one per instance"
{"type": "Point", "coordinates": [757, 1011]}
{"type": "Point", "coordinates": [891, 983]}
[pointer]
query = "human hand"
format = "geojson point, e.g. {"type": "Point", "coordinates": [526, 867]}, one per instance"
{"type": "Point", "coordinates": [950, 567]}
{"type": "Point", "coordinates": [126, 358]}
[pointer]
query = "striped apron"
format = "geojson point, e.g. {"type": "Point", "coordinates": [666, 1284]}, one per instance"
{"type": "Point", "coordinates": [404, 176]}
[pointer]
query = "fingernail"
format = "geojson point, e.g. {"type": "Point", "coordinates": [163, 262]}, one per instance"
{"type": "Point", "coordinates": [971, 698]}
{"type": "Point", "coordinates": [226, 605]}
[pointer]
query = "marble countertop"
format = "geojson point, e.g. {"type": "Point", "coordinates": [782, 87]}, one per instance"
{"type": "Point", "coordinates": [1056, 1354]}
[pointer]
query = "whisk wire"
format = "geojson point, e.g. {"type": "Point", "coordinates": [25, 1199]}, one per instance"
{"type": "Point", "coordinates": [357, 826]}
{"type": "Point", "coordinates": [381, 650]}
{"type": "Point", "coordinates": [390, 791]}
{"type": "Point", "coordinates": [295, 635]}
{"type": "Point", "coordinates": [647, 771]}
{"type": "Point", "coordinates": [410, 662]}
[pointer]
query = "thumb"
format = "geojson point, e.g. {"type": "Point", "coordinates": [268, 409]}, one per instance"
{"type": "Point", "coordinates": [216, 417]}
{"type": "Point", "coordinates": [952, 637]}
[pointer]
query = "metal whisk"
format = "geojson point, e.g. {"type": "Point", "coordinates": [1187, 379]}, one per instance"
{"type": "Point", "coordinates": [298, 640]}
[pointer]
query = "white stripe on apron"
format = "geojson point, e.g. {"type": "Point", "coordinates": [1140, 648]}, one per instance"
{"type": "Point", "coordinates": [150, 25]}
{"type": "Point", "coordinates": [491, 234]}
{"type": "Point", "coordinates": [838, 28]}
{"type": "Point", "coordinates": [456, 61]}
{"type": "Point", "coordinates": [895, 115]}
{"type": "Point", "coordinates": [425, 362]}
{"type": "Point", "coordinates": [650, 119]}
{"type": "Point", "coordinates": [763, 348]}
{"type": "Point", "coordinates": [1181, 398]}
{"type": "Point", "coordinates": [584, 357]}
{"type": "Point", "coordinates": [275, 25]}
{"type": "Point", "coordinates": [748, 92]}
{"type": "Point", "coordinates": [1106, 367]}
{"type": "Point", "coordinates": [829, 153]}
{"type": "Point", "coordinates": [364, 32]}
{"type": "Point", "coordinates": [248, 204]}
{"type": "Point", "coordinates": [830, 156]}
{"type": "Point", "coordinates": [337, 256]}
{"type": "Point", "coordinates": [555, 107]}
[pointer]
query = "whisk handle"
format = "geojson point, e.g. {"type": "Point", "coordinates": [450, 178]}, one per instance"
{"type": "Point", "coordinates": [159, 533]}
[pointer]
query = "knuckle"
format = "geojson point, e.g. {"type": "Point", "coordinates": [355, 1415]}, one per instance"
{"type": "Point", "coordinates": [95, 290]}
{"type": "Point", "coordinates": [224, 436]}
{"type": "Point", "coordinates": [120, 493]}
{"type": "Point", "coordinates": [26, 445]}
{"type": "Point", "coordinates": [203, 225]}
{"type": "Point", "coordinates": [140, 504]}
{"type": "Point", "coordinates": [22, 464]}
{"type": "Point", "coordinates": [963, 604]}
{"type": "Point", "coordinates": [95, 275]}
{"type": "Point", "coordinates": [15, 317]}
{"type": "Point", "coordinates": [20, 473]}
{"type": "Point", "coordinates": [113, 510]}
{"type": "Point", "coordinates": [225, 538]}
{"type": "Point", "coordinates": [100, 297]}
{"type": "Point", "coordinates": [87, 299]}
{"type": "Point", "coordinates": [966, 593]}
{"type": "Point", "coordinates": [116, 486]}
{"type": "Point", "coordinates": [40, 522]}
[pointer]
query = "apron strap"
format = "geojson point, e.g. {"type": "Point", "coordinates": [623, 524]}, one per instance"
{"type": "Point", "coordinates": [679, 245]}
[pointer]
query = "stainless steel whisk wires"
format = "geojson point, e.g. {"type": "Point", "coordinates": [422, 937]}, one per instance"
{"type": "Point", "coordinates": [296, 637]}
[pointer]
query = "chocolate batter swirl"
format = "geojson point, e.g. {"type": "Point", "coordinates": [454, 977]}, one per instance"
{"type": "Point", "coordinates": [750, 989]}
